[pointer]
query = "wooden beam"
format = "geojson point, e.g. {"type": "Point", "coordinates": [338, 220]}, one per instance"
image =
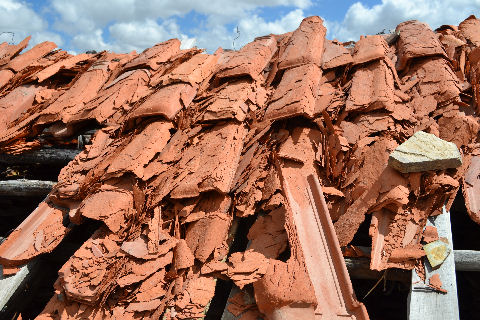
{"type": "Point", "coordinates": [25, 188]}
{"type": "Point", "coordinates": [467, 260]}
{"type": "Point", "coordinates": [12, 285]}
{"type": "Point", "coordinates": [425, 303]}
{"type": "Point", "coordinates": [50, 156]}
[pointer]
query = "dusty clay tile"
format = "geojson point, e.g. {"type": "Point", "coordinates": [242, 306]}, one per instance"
{"type": "Point", "coordinates": [283, 284]}
{"type": "Point", "coordinates": [296, 93]}
{"type": "Point", "coordinates": [135, 270]}
{"type": "Point", "coordinates": [153, 57]}
{"type": "Point", "coordinates": [124, 91]}
{"type": "Point", "coordinates": [168, 207]}
{"type": "Point", "coordinates": [471, 187]}
{"type": "Point", "coordinates": [16, 103]}
{"type": "Point", "coordinates": [470, 29]}
{"type": "Point", "coordinates": [220, 149]}
{"type": "Point", "coordinates": [62, 64]}
{"type": "Point", "coordinates": [192, 71]}
{"type": "Point", "coordinates": [86, 274]}
{"type": "Point", "coordinates": [205, 234]}
{"type": "Point", "coordinates": [74, 99]}
{"type": "Point", "coordinates": [197, 294]}
{"type": "Point", "coordinates": [41, 232]}
{"type": "Point", "coordinates": [25, 59]}
{"type": "Point", "coordinates": [267, 234]}
{"type": "Point", "coordinates": [435, 78]}
{"type": "Point", "coordinates": [5, 76]}
{"type": "Point", "coordinates": [183, 257]}
{"type": "Point", "coordinates": [372, 88]}
{"type": "Point", "coordinates": [395, 240]}
{"type": "Point", "coordinates": [305, 46]}
{"type": "Point", "coordinates": [141, 149]}
{"type": "Point", "coordinates": [371, 175]}
{"type": "Point", "coordinates": [246, 267]}
{"type": "Point", "coordinates": [113, 207]}
{"type": "Point", "coordinates": [250, 60]}
{"type": "Point", "coordinates": [416, 40]}
{"type": "Point", "coordinates": [335, 55]}
{"type": "Point", "coordinates": [435, 283]}
{"type": "Point", "coordinates": [369, 48]}
{"type": "Point", "coordinates": [234, 101]}
{"type": "Point", "coordinates": [7, 52]}
{"type": "Point", "coordinates": [430, 234]}
{"type": "Point", "coordinates": [166, 102]}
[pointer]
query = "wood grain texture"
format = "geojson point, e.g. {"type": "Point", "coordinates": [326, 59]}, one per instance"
{"type": "Point", "coordinates": [423, 302]}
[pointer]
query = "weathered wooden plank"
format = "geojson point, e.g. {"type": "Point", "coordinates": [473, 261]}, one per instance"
{"type": "Point", "coordinates": [467, 260]}
{"type": "Point", "coordinates": [11, 285]}
{"type": "Point", "coordinates": [425, 303]}
{"type": "Point", "coordinates": [25, 188]}
{"type": "Point", "coordinates": [49, 156]}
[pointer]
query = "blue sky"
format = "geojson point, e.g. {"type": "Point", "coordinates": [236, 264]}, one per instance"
{"type": "Point", "coordinates": [125, 25]}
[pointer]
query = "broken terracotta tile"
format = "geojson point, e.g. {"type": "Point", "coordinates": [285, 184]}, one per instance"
{"type": "Point", "coordinates": [7, 52]}
{"type": "Point", "coordinates": [62, 64]}
{"type": "Point", "coordinates": [335, 55]}
{"type": "Point", "coordinates": [246, 267]}
{"type": "Point", "coordinates": [295, 94]}
{"type": "Point", "coordinates": [267, 234]}
{"type": "Point", "coordinates": [25, 59]}
{"type": "Point", "coordinates": [195, 172]}
{"type": "Point", "coordinates": [113, 207]}
{"type": "Point", "coordinates": [430, 234]}
{"type": "Point", "coordinates": [369, 48]}
{"type": "Point", "coordinates": [193, 71]}
{"type": "Point", "coordinates": [141, 149]}
{"type": "Point", "coordinates": [416, 40]}
{"type": "Point", "coordinates": [305, 46]}
{"type": "Point", "coordinates": [471, 187]}
{"type": "Point", "coordinates": [153, 57]}
{"type": "Point", "coordinates": [250, 60]}
{"type": "Point", "coordinates": [41, 232]}
{"type": "Point", "coordinates": [435, 283]}
{"type": "Point", "coordinates": [372, 88]}
{"type": "Point", "coordinates": [166, 102]}
{"type": "Point", "coordinates": [469, 28]}
{"type": "Point", "coordinates": [204, 235]}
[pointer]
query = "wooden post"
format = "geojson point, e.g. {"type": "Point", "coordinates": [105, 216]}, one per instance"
{"type": "Point", "coordinates": [11, 285]}
{"type": "Point", "coordinates": [25, 188]}
{"type": "Point", "coordinates": [50, 156]}
{"type": "Point", "coordinates": [423, 302]}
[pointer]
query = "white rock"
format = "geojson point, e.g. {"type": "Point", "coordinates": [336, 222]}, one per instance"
{"type": "Point", "coordinates": [424, 152]}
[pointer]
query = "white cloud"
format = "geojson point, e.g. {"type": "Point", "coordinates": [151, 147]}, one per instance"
{"type": "Point", "coordinates": [17, 17]}
{"type": "Point", "coordinates": [88, 15]}
{"type": "Point", "coordinates": [138, 24]}
{"type": "Point", "coordinates": [361, 20]}
{"type": "Point", "coordinates": [140, 35]}
{"type": "Point", "coordinates": [253, 27]}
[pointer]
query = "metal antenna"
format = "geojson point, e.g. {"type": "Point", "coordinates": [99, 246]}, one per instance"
{"type": "Point", "coordinates": [9, 32]}
{"type": "Point", "coordinates": [238, 36]}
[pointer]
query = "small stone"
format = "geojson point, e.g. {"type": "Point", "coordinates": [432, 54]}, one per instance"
{"type": "Point", "coordinates": [437, 252]}
{"type": "Point", "coordinates": [423, 152]}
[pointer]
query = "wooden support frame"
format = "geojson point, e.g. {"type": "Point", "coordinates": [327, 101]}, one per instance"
{"type": "Point", "coordinates": [424, 303]}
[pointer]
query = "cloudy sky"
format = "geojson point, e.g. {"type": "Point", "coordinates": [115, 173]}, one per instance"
{"type": "Point", "coordinates": [125, 25]}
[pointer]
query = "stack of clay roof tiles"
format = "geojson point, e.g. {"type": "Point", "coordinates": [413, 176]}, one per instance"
{"type": "Point", "coordinates": [189, 142]}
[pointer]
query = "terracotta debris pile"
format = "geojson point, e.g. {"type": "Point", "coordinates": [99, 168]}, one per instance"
{"type": "Point", "coordinates": [188, 143]}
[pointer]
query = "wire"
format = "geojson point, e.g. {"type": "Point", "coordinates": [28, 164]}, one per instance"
{"type": "Point", "coordinates": [11, 33]}
{"type": "Point", "coordinates": [238, 36]}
